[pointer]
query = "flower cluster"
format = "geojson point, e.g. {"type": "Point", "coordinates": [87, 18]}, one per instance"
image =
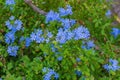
{"type": "Point", "coordinates": [13, 26]}
{"type": "Point", "coordinates": [65, 12]}
{"type": "Point", "coordinates": [10, 2]}
{"type": "Point", "coordinates": [64, 34]}
{"type": "Point", "coordinates": [81, 33]}
{"type": "Point", "coordinates": [113, 65]}
{"type": "Point", "coordinates": [115, 32]}
{"type": "Point", "coordinates": [38, 37]}
{"type": "Point", "coordinates": [12, 50]}
{"type": "Point", "coordinates": [54, 16]}
{"type": "Point", "coordinates": [49, 74]}
{"type": "Point", "coordinates": [88, 45]}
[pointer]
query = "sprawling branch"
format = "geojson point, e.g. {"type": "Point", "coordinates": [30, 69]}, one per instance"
{"type": "Point", "coordinates": [29, 2]}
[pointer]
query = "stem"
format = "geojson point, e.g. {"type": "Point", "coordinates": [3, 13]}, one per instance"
{"type": "Point", "coordinates": [36, 9]}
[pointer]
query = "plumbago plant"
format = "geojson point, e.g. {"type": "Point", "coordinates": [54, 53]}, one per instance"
{"type": "Point", "coordinates": [72, 40]}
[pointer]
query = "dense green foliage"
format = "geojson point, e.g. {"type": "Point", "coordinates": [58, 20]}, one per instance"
{"type": "Point", "coordinates": [30, 61]}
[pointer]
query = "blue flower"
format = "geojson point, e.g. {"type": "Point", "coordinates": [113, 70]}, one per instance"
{"type": "Point", "coordinates": [37, 36]}
{"type": "Point", "coordinates": [0, 78]}
{"type": "Point", "coordinates": [108, 13]}
{"type": "Point", "coordinates": [16, 25]}
{"type": "Point", "coordinates": [9, 25]}
{"type": "Point", "coordinates": [88, 45]}
{"type": "Point", "coordinates": [44, 69]}
{"type": "Point", "coordinates": [65, 12]}
{"type": "Point", "coordinates": [61, 36]}
{"type": "Point", "coordinates": [12, 50]}
{"type": "Point", "coordinates": [49, 74]}
{"type": "Point", "coordinates": [60, 58]}
{"type": "Point", "coordinates": [69, 35]}
{"type": "Point", "coordinates": [81, 33]}
{"type": "Point", "coordinates": [78, 73]}
{"type": "Point", "coordinates": [9, 37]}
{"type": "Point", "coordinates": [49, 34]}
{"type": "Point", "coordinates": [12, 18]}
{"type": "Point", "coordinates": [113, 65]}
{"type": "Point", "coordinates": [67, 23]}
{"type": "Point", "coordinates": [78, 59]}
{"type": "Point", "coordinates": [10, 2]}
{"type": "Point", "coordinates": [27, 42]}
{"type": "Point", "coordinates": [52, 16]}
{"type": "Point", "coordinates": [115, 32]}
{"type": "Point", "coordinates": [33, 36]}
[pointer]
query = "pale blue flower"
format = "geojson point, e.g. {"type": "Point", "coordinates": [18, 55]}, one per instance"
{"type": "Point", "coordinates": [81, 33]}
{"type": "Point", "coordinates": [12, 50]}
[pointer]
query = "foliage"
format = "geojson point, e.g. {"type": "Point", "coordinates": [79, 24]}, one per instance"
{"type": "Point", "coordinates": [73, 59]}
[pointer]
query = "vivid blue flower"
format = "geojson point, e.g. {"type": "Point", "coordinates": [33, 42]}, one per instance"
{"type": "Point", "coordinates": [113, 65]}
{"type": "Point", "coordinates": [40, 39]}
{"type": "Point", "coordinates": [33, 36]}
{"type": "Point", "coordinates": [81, 33]}
{"type": "Point", "coordinates": [61, 36]}
{"type": "Point", "coordinates": [115, 32]}
{"type": "Point", "coordinates": [37, 36]}
{"type": "Point", "coordinates": [12, 50]}
{"type": "Point", "coordinates": [10, 2]}
{"type": "Point", "coordinates": [108, 13]}
{"type": "Point", "coordinates": [65, 12]}
{"type": "Point", "coordinates": [69, 35]}
{"type": "Point", "coordinates": [27, 42]}
{"type": "Point", "coordinates": [16, 25]}
{"type": "Point", "coordinates": [9, 25]}
{"type": "Point", "coordinates": [52, 16]}
{"type": "Point", "coordinates": [59, 58]}
{"type": "Point", "coordinates": [49, 75]}
{"type": "Point", "coordinates": [67, 23]}
{"type": "Point", "coordinates": [10, 37]}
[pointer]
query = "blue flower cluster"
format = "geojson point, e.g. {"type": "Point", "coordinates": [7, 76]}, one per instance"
{"type": "Point", "coordinates": [64, 34]}
{"type": "Point", "coordinates": [10, 2]}
{"type": "Point", "coordinates": [113, 65]}
{"type": "Point", "coordinates": [115, 32]}
{"type": "Point", "coordinates": [13, 26]}
{"type": "Point", "coordinates": [65, 12]}
{"type": "Point", "coordinates": [38, 37]}
{"type": "Point", "coordinates": [81, 33]}
{"type": "Point", "coordinates": [88, 45]}
{"type": "Point", "coordinates": [49, 74]}
{"type": "Point", "coordinates": [12, 50]}
{"type": "Point", "coordinates": [54, 16]}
